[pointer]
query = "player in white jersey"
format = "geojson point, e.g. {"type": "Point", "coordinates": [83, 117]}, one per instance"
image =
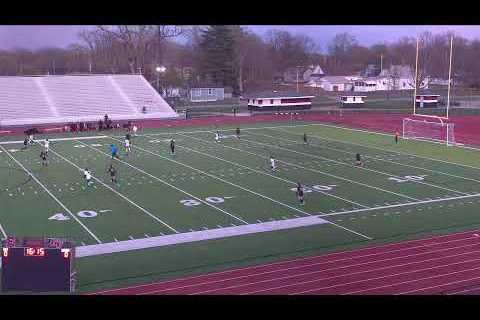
{"type": "Point", "coordinates": [217, 136]}
{"type": "Point", "coordinates": [134, 129]}
{"type": "Point", "coordinates": [272, 163]}
{"type": "Point", "coordinates": [47, 145]}
{"type": "Point", "coordinates": [127, 146]}
{"type": "Point", "coordinates": [88, 176]}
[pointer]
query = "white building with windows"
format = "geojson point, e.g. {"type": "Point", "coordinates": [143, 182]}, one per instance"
{"type": "Point", "coordinates": [206, 94]}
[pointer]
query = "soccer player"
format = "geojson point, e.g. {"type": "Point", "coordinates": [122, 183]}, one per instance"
{"type": "Point", "coordinates": [88, 176]}
{"type": "Point", "coordinates": [305, 141]}
{"type": "Point", "coordinates": [359, 161]}
{"type": "Point", "coordinates": [172, 146]}
{"type": "Point", "coordinates": [113, 174]}
{"type": "Point", "coordinates": [25, 143]}
{"type": "Point", "coordinates": [272, 163]}
{"type": "Point", "coordinates": [397, 134]}
{"type": "Point", "coordinates": [238, 133]}
{"type": "Point", "coordinates": [134, 129]}
{"type": "Point", "coordinates": [127, 146]}
{"type": "Point", "coordinates": [217, 136]}
{"type": "Point", "coordinates": [43, 156]}
{"type": "Point", "coordinates": [30, 138]}
{"type": "Point", "coordinates": [300, 194]}
{"type": "Point", "coordinates": [47, 146]}
{"type": "Point", "coordinates": [128, 136]}
{"type": "Point", "coordinates": [113, 150]}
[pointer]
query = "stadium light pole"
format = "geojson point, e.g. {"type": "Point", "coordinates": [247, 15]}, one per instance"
{"type": "Point", "coordinates": [160, 70]}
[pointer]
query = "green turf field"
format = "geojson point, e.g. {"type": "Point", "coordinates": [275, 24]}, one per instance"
{"type": "Point", "coordinates": [405, 190]}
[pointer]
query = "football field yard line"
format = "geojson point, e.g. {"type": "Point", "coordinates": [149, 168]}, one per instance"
{"type": "Point", "coordinates": [263, 173]}
{"type": "Point", "coordinates": [117, 193]}
{"type": "Point", "coordinates": [385, 134]}
{"type": "Point", "coordinates": [51, 195]}
{"type": "Point", "coordinates": [401, 205]}
{"type": "Point", "coordinates": [171, 186]}
{"type": "Point", "coordinates": [3, 231]}
{"type": "Point", "coordinates": [349, 165]}
{"type": "Point", "coordinates": [58, 139]}
{"type": "Point", "coordinates": [320, 172]}
{"type": "Point", "coordinates": [375, 158]}
{"type": "Point", "coordinates": [246, 189]}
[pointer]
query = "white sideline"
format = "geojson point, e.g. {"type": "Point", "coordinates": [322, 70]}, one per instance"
{"type": "Point", "coordinates": [3, 231]}
{"type": "Point", "coordinates": [264, 173]}
{"type": "Point", "coordinates": [348, 165]}
{"type": "Point", "coordinates": [322, 173]}
{"type": "Point", "coordinates": [57, 139]}
{"type": "Point", "coordinates": [246, 189]}
{"type": "Point", "coordinates": [375, 158]}
{"type": "Point", "coordinates": [160, 241]}
{"type": "Point", "coordinates": [119, 194]}
{"type": "Point", "coordinates": [400, 205]}
{"type": "Point", "coordinates": [51, 195]}
{"type": "Point", "coordinates": [172, 186]}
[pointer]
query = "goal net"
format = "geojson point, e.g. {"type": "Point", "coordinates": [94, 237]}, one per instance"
{"type": "Point", "coordinates": [429, 130]}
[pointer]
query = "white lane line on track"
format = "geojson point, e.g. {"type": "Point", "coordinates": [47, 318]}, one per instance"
{"type": "Point", "coordinates": [316, 271]}
{"type": "Point", "coordinates": [381, 246]}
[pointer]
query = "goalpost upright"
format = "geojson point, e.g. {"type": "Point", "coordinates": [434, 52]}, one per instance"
{"type": "Point", "coordinates": [437, 131]}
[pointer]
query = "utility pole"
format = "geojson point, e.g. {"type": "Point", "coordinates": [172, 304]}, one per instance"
{"type": "Point", "coordinates": [381, 62]}
{"type": "Point", "coordinates": [415, 91]}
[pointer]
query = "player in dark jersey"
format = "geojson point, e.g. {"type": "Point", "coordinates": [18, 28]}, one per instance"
{"type": "Point", "coordinates": [172, 146]}
{"type": "Point", "coordinates": [238, 132]}
{"type": "Point", "coordinates": [359, 161]}
{"type": "Point", "coordinates": [128, 136]}
{"type": "Point", "coordinates": [113, 174]}
{"type": "Point", "coordinates": [43, 156]}
{"type": "Point", "coordinates": [25, 143]}
{"type": "Point", "coordinates": [397, 134]}
{"type": "Point", "coordinates": [305, 141]}
{"type": "Point", "coordinates": [300, 194]}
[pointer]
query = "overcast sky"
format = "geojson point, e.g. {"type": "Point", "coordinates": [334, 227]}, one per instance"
{"type": "Point", "coordinates": [34, 37]}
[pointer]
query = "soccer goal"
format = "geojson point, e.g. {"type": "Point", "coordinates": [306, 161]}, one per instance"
{"type": "Point", "coordinates": [431, 130]}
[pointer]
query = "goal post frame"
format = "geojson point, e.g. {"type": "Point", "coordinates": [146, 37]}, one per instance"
{"type": "Point", "coordinates": [445, 134]}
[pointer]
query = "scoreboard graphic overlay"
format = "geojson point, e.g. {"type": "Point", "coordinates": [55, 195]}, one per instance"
{"type": "Point", "coordinates": [38, 265]}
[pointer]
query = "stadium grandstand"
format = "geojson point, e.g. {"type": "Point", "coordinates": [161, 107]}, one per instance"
{"type": "Point", "coordinates": [33, 100]}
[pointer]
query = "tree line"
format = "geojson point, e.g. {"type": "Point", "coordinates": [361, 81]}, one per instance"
{"type": "Point", "coordinates": [234, 56]}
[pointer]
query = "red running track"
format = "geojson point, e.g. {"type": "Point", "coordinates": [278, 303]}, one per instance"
{"type": "Point", "coordinates": [447, 264]}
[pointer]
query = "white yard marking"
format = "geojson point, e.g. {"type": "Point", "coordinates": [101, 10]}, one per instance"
{"type": "Point", "coordinates": [267, 174]}
{"type": "Point", "coordinates": [53, 197]}
{"type": "Point", "coordinates": [296, 166]}
{"type": "Point", "coordinates": [248, 190]}
{"type": "Point", "coordinates": [401, 205]}
{"type": "Point", "coordinates": [174, 187]}
{"type": "Point", "coordinates": [350, 165]}
{"type": "Point", "coordinates": [3, 231]}
{"type": "Point", "coordinates": [119, 194]}
{"type": "Point", "coordinates": [375, 158]}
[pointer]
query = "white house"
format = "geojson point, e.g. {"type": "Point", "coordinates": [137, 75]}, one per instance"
{"type": "Point", "coordinates": [335, 83]}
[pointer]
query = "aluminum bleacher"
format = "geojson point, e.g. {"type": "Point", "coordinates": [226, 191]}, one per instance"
{"type": "Point", "coordinates": [79, 98]}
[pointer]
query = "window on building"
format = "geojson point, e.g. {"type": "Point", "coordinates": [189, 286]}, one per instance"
{"type": "Point", "coordinates": [211, 92]}
{"type": "Point", "coordinates": [260, 101]}
{"type": "Point", "coordinates": [271, 101]}
{"type": "Point", "coordinates": [404, 84]}
{"type": "Point", "coordinates": [353, 98]}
